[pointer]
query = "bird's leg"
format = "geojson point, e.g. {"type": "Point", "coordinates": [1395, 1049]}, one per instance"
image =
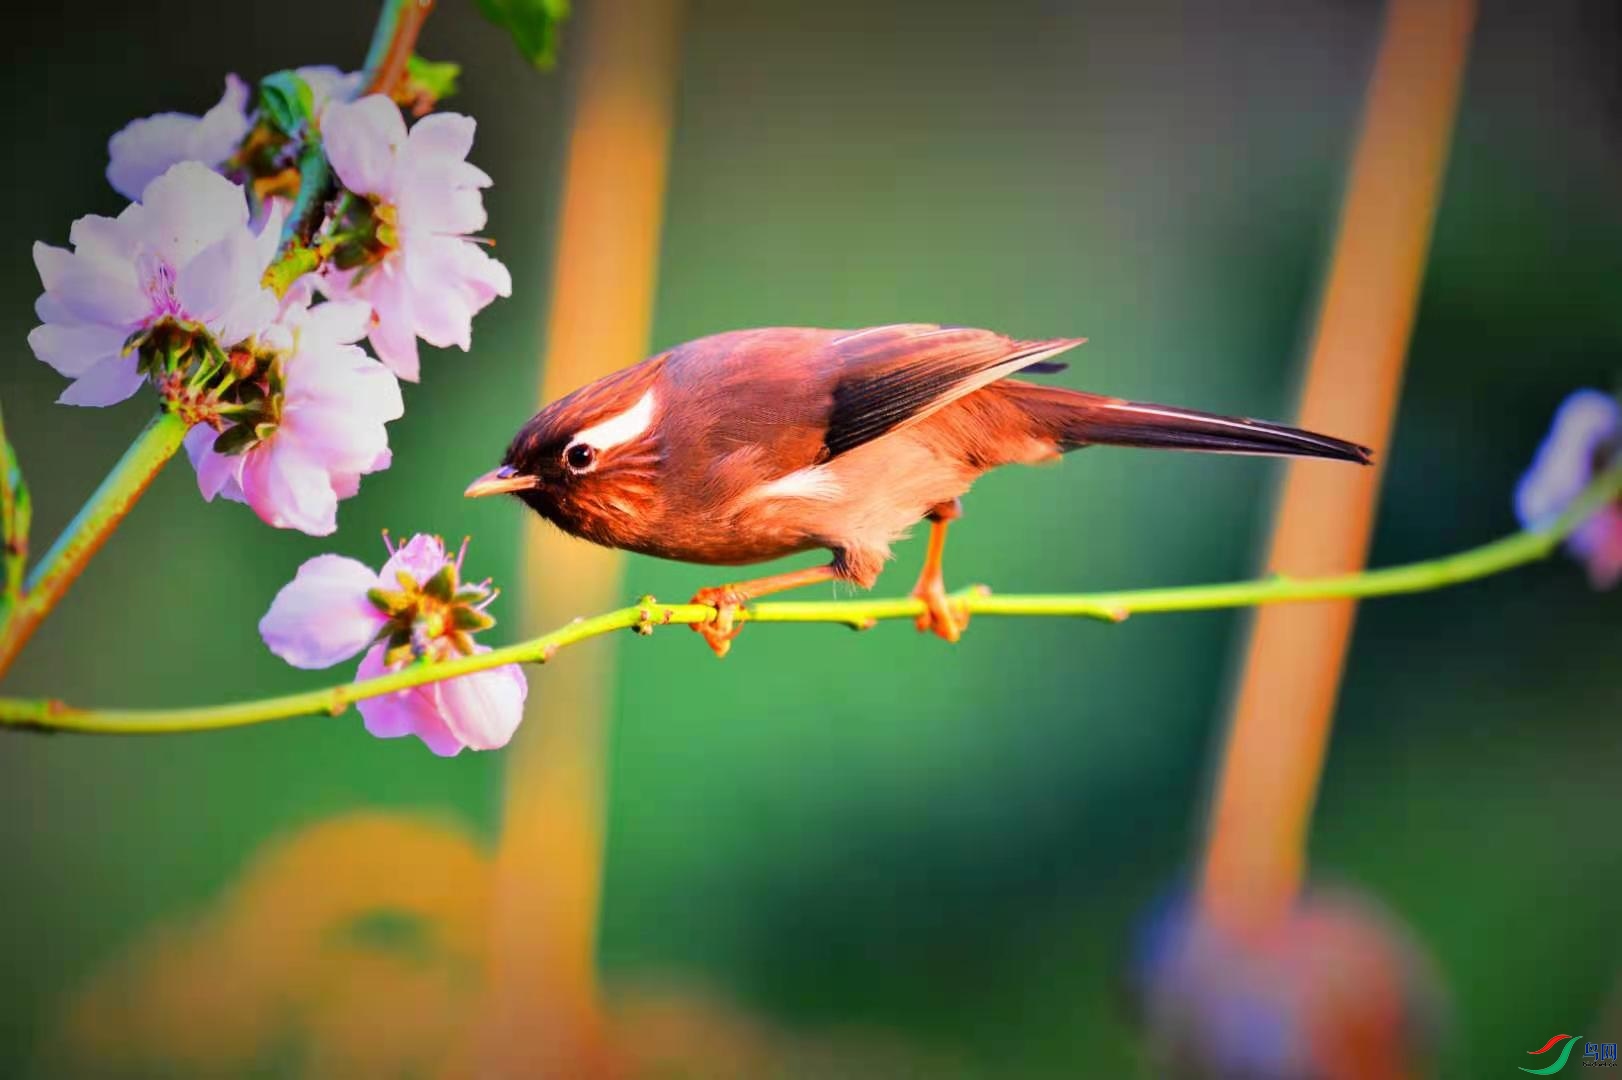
{"type": "Point", "coordinates": [726, 599]}
{"type": "Point", "coordinates": [938, 615]}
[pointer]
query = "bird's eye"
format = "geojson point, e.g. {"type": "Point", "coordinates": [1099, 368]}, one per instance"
{"type": "Point", "coordinates": [579, 457]}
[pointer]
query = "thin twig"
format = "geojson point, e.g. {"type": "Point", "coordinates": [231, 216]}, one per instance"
{"type": "Point", "coordinates": [393, 42]}
{"type": "Point", "coordinates": [1518, 549]}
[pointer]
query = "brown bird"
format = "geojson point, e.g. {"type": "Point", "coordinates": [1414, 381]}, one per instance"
{"type": "Point", "coordinates": [755, 444]}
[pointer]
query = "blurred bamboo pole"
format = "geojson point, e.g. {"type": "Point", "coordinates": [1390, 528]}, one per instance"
{"type": "Point", "coordinates": [545, 1010]}
{"type": "Point", "coordinates": [1275, 748]}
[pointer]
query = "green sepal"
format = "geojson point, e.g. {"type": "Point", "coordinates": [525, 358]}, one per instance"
{"type": "Point", "coordinates": [349, 255]}
{"type": "Point", "coordinates": [399, 654]}
{"type": "Point", "coordinates": [235, 439]}
{"type": "Point", "coordinates": [135, 341]}
{"type": "Point", "coordinates": [217, 360]}
{"type": "Point", "coordinates": [287, 101]}
{"type": "Point", "coordinates": [471, 619]}
{"type": "Point", "coordinates": [471, 594]}
{"type": "Point", "coordinates": [533, 25]}
{"type": "Point", "coordinates": [389, 601]}
{"type": "Point", "coordinates": [442, 586]}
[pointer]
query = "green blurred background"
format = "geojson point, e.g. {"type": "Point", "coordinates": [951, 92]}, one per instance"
{"type": "Point", "coordinates": [834, 831]}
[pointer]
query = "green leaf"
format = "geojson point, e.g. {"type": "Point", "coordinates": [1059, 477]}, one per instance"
{"type": "Point", "coordinates": [16, 513]}
{"type": "Point", "coordinates": [286, 101]}
{"type": "Point", "coordinates": [433, 80]}
{"type": "Point", "coordinates": [533, 25]}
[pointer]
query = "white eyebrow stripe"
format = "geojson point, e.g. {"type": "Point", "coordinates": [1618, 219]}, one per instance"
{"type": "Point", "coordinates": [811, 482]}
{"type": "Point", "coordinates": [622, 428]}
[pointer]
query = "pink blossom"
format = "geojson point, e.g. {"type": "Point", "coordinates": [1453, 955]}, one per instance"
{"type": "Point", "coordinates": [146, 148]}
{"type": "Point", "coordinates": [1586, 435]}
{"type": "Point", "coordinates": [426, 198]}
{"type": "Point", "coordinates": [183, 255]}
{"type": "Point", "coordinates": [323, 615]}
{"type": "Point", "coordinates": [320, 429]}
{"type": "Point", "coordinates": [480, 711]}
{"type": "Point", "coordinates": [415, 610]}
{"type": "Point", "coordinates": [419, 558]}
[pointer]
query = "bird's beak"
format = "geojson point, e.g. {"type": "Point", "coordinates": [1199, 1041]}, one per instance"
{"type": "Point", "coordinates": [499, 482]}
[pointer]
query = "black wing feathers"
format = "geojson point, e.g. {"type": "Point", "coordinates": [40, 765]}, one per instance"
{"type": "Point", "coordinates": [895, 375]}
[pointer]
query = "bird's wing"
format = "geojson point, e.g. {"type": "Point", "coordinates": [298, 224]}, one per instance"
{"type": "Point", "coordinates": [889, 377]}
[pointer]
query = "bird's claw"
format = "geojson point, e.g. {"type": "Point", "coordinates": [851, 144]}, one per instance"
{"type": "Point", "coordinates": [939, 617]}
{"type": "Point", "coordinates": [718, 634]}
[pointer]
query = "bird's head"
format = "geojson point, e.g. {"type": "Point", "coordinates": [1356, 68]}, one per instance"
{"type": "Point", "coordinates": [589, 462]}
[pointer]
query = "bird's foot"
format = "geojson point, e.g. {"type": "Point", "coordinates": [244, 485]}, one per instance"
{"type": "Point", "coordinates": [939, 617]}
{"type": "Point", "coordinates": [718, 634]}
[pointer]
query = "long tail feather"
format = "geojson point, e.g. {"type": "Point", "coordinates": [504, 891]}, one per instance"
{"type": "Point", "coordinates": [1078, 419]}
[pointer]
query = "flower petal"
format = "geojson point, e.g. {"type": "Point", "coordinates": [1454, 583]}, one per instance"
{"type": "Point", "coordinates": [288, 488]}
{"type": "Point", "coordinates": [252, 313]}
{"type": "Point", "coordinates": [393, 334]}
{"type": "Point", "coordinates": [222, 276]}
{"type": "Point", "coordinates": [421, 557]}
{"type": "Point", "coordinates": [141, 152]}
{"type": "Point", "coordinates": [48, 309]}
{"type": "Point", "coordinates": [405, 712]}
{"type": "Point", "coordinates": [1563, 466]}
{"type": "Point", "coordinates": [484, 709]}
{"type": "Point", "coordinates": [429, 203]}
{"type": "Point", "coordinates": [481, 275]}
{"type": "Point", "coordinates": [342, 440]}
{"type": "Point", "coordinates": [53, 264]}
{"type": "Point", "coordinates": [189, 208]}
{"type": "Point", "coordinates": [103, 291]}
{"type": "Point", "coordinates": [223, 127]}
{"type": "Point", "coordinates": [362, 140]}
{"type": "Point", "coordinates": [441, 309]}
{"type": "Point", "coordinates": [322, 616]}
{"type": "Point", "coordinates": [104, 236]}
{"type": "Point", "coordinates": [269, 237]}
{"type": "Point", "coordinates": [217, 474]}
{"type": "Point", "coordinates": [442, 135]}
{"type": "Point", "coordinates": [109, 382]}
{"type": "Point", "coordinates": [74, 348]}
{"type": "Point", "coordinates": [1598, 543]}
{"type": "Point", "coordinates": [146, 148]}
{"type": "Point", "coordinates": [342, 322]}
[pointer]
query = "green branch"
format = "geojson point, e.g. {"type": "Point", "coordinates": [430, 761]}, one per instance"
{"type": "Point", "coordinates": [88, 530]}
{"type": "Point", "coordinates": [15, 518]}
{"type": "Point", "coordinates": [1512, 551]}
